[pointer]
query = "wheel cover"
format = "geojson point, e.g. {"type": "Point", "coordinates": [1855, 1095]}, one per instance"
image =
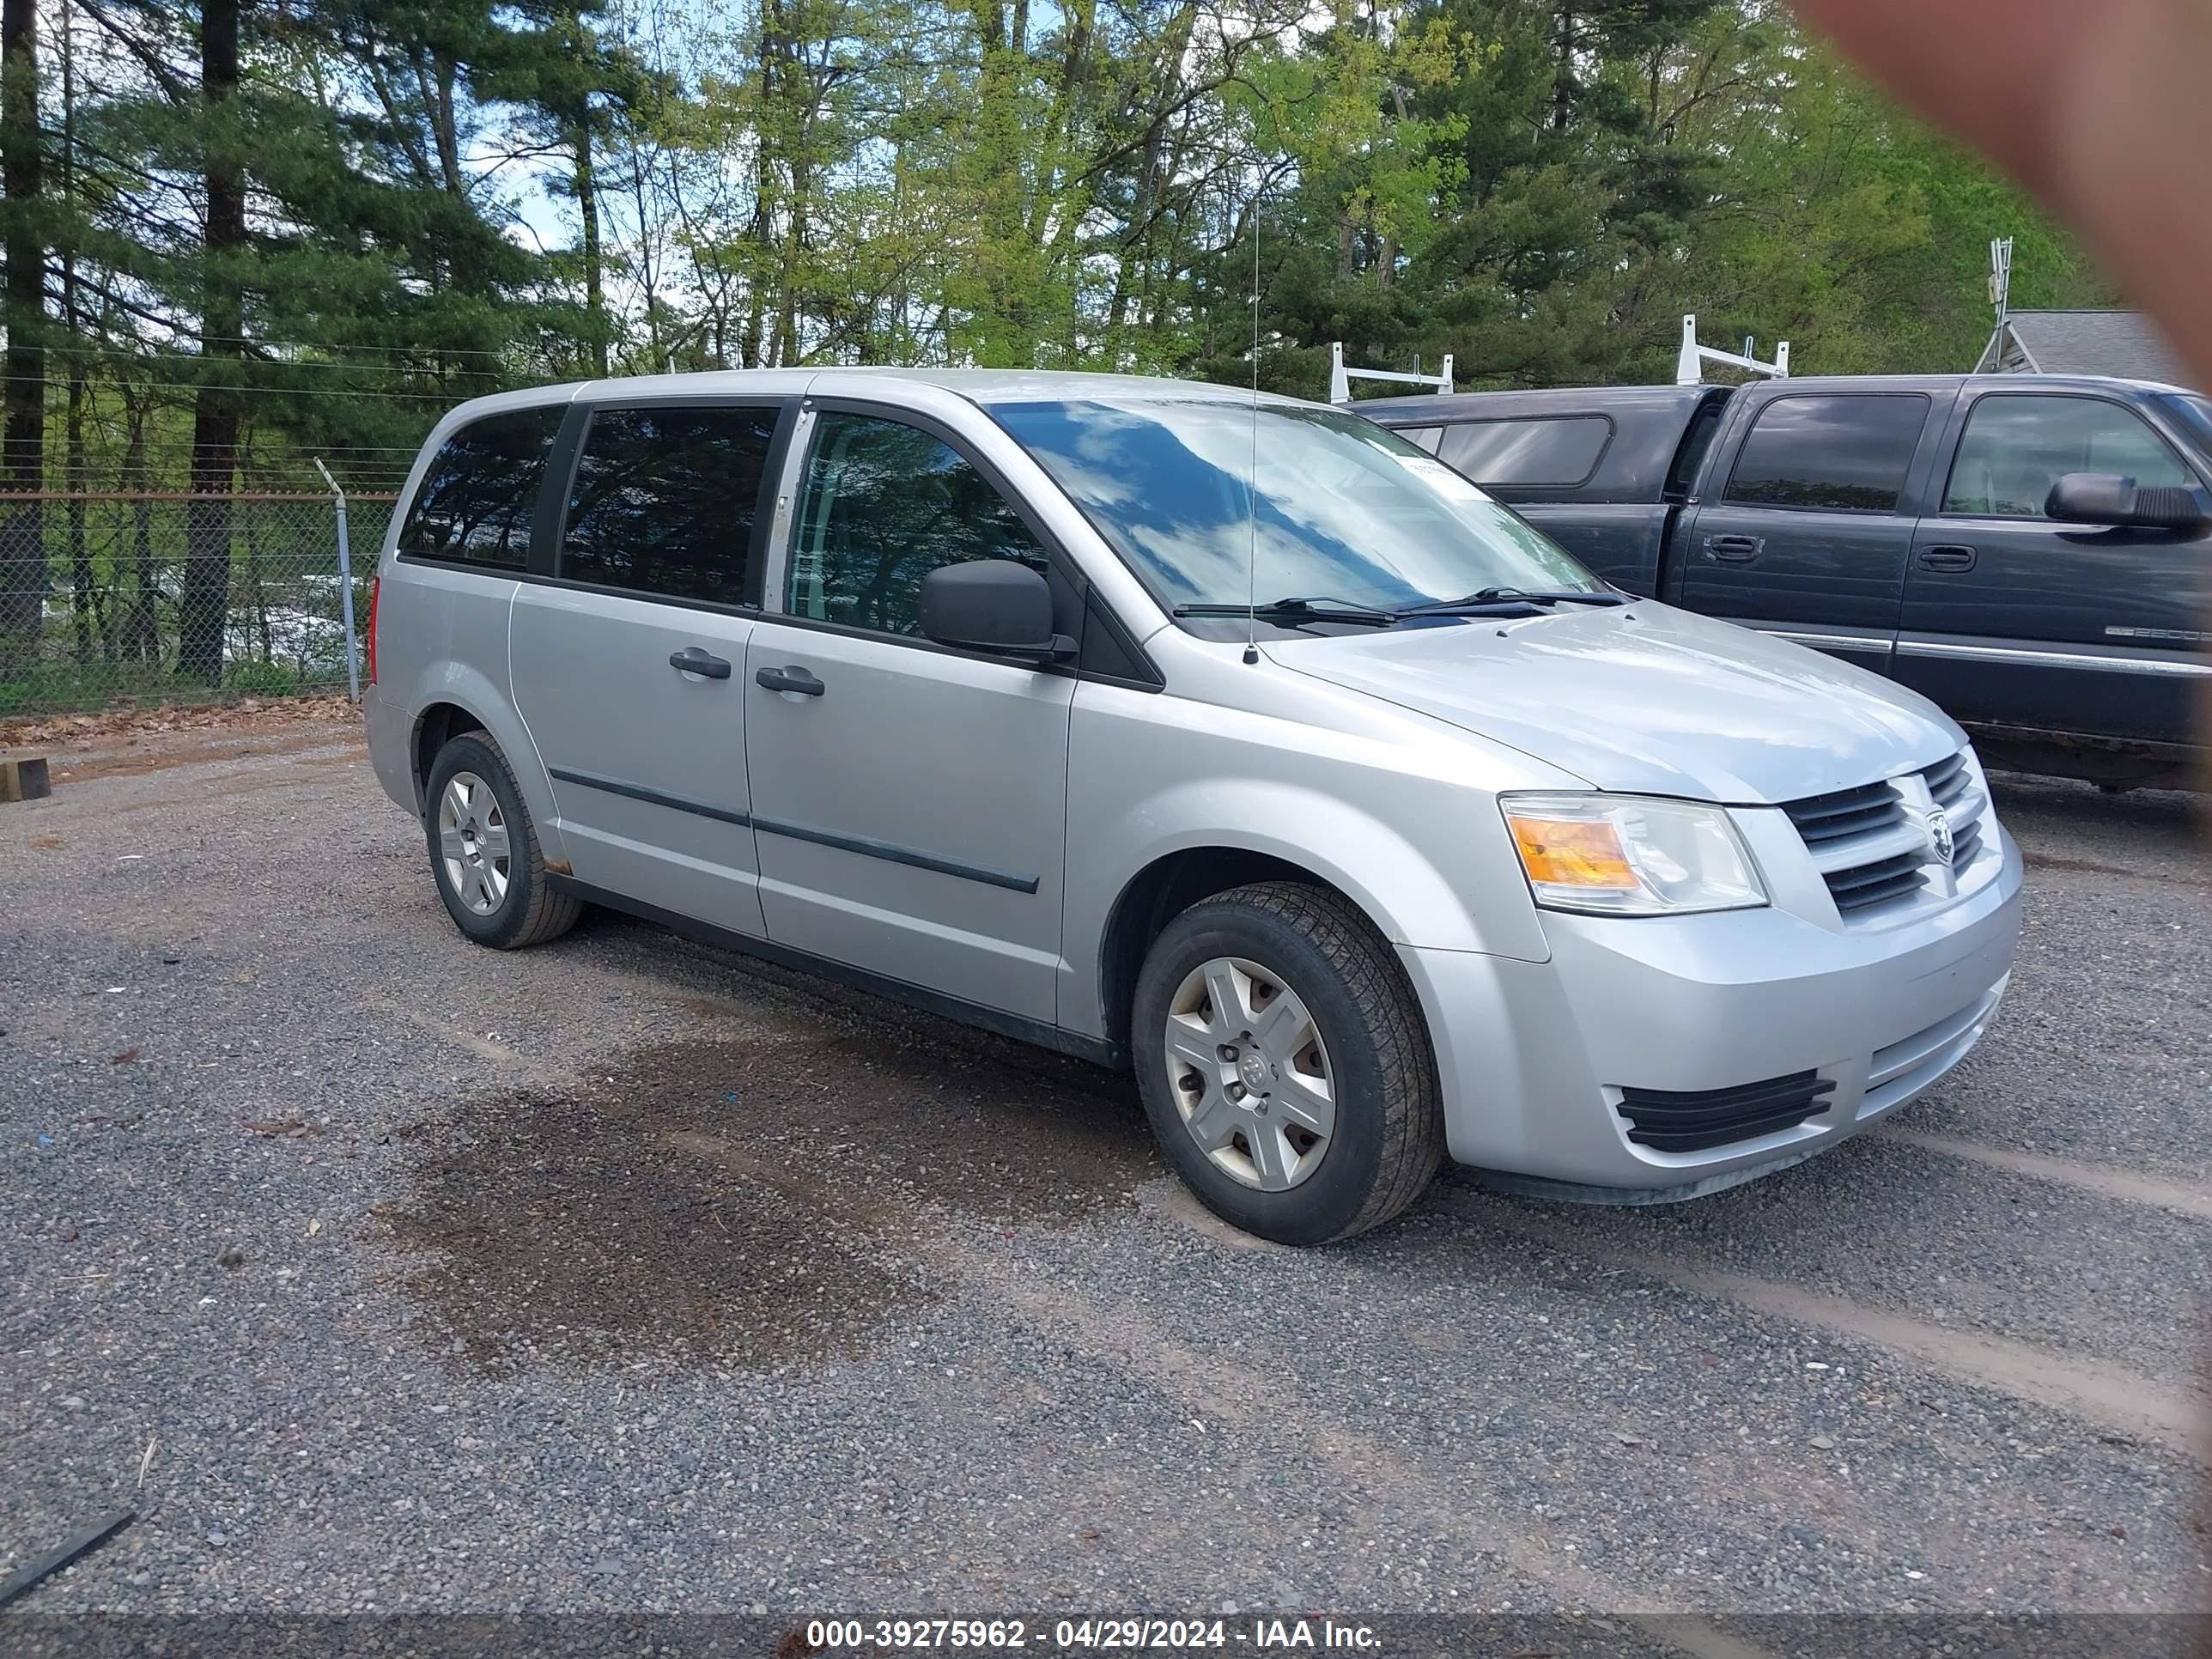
{"type": "Point", "coordinates": [472, 842]}
{"type": "Point", "coordinates": [1249, 1074]}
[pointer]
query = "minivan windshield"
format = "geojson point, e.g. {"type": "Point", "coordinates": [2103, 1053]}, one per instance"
{"type": "Point", "coordinates": [1343, 510]}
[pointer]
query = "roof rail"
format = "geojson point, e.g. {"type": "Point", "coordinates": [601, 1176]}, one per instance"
{"type": "Point", "coordinates": [1689, 367]}
{"type": "Point", "coordinates": [1340, 378]}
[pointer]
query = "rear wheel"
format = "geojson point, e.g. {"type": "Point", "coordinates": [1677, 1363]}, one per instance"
{"type": "Point", "coordinates": [484, 854]}
{"type": "Point", "coordinates": [1284, 1063]}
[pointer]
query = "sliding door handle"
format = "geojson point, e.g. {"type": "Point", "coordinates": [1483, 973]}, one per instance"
{"type": "Point", "coordinates": [794, 679]}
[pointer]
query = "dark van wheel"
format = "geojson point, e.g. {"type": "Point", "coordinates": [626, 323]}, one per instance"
{"type": "Point", "coordinates": [485, 851]}
{"type": "Point", "coordinates": [1285, 1066]}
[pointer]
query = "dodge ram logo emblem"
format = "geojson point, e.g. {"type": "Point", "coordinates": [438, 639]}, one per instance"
{"type": "Point", "coordinates": [1939, 834]}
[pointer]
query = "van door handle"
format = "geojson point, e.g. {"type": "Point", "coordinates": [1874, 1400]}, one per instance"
{"type": "Point", "coordinates": [789, 679]}
{"type": "Point", "coordinates": [692, 660]}
{"type": "Point", "coordinates": [1951, 557]}
{"type": "Point", "coordinates": [1734, 549]}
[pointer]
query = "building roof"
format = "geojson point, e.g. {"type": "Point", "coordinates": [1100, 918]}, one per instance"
{"type": "Point", "coordinates": [2125, 344]}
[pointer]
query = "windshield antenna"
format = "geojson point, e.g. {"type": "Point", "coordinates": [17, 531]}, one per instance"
{"type": "Point", "coordinates": [1251, 496]}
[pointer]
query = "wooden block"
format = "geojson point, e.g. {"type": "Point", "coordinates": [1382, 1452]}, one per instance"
{"type": "Point", "coordinates": [23, 777]}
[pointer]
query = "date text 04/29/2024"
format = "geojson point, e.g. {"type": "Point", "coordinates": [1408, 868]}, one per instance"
{"type": "Point", "coordinates": [1101, 1635]}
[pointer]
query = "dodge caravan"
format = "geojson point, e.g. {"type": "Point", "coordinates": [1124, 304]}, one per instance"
{"type": "Point", "coordinates": [1236, 741]}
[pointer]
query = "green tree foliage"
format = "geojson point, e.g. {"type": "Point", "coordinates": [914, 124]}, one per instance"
{"type": "Point", "coordinates": [260, 229]}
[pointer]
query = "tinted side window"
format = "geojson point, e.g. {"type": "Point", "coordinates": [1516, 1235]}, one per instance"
{"type": "Point", "coordinates": [1843, 453]}
{"type": "Point", "coordinates": [478, 496]}
{"type": "Point", "coordinates": [886, 504]}
{"type": "Point", "coordinates": [2016, 447]}
{"type": "Point", "coordinates": [1690, 459]}
{"type": "Point", "coordinates": [1561, 450]}
{"type": "Point", "coordinates": [664, 501]}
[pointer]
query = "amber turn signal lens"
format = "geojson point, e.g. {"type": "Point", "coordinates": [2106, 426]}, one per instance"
{"type": "Point", "coordinates": [1572, 853]}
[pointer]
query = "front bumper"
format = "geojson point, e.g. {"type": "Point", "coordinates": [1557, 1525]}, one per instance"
{"type": "Point", "coordinates": [1533, 1056]}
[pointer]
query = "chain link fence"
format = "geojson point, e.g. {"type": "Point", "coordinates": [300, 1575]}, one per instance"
{"type": "Point", "coordinates": [111, 598]}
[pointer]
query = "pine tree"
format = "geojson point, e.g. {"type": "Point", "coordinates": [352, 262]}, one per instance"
{"type": "Point", "coordinates": [204, 605]}
{"type": "Point", "coordinates": [23, 425]}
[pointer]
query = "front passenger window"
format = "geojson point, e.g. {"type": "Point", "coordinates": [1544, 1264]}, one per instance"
{"type": "Point", "coordinates": [2018, 445]}
{"type": "Point", "coordinates": [885, 504]}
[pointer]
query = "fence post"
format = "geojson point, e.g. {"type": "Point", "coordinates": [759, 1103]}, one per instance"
{"type": "Point", "coordinates": [345, 585]}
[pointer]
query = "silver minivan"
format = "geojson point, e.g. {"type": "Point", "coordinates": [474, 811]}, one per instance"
{"type": "Point", "coordinates": [1234, 740]}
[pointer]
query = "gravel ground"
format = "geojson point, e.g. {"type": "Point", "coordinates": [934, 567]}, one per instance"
{"type": "Point", "coordinates": [383, 1274]}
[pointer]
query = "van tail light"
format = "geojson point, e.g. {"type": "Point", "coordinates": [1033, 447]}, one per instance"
{"type": "Point", "coordinates": [375, 586]}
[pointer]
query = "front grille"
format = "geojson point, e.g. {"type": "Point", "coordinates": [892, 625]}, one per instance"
{"type": "Point", "coordinates": [1868, 852]}
{"type": "Point", "coordinates": [1953, 786]}
{"type": "Point", "coordinates": [1949, 780]}
{"type": "Point", "coordinates": [1868, 884]}
{"type": "Point", "coordinates": [1845, 813]}
{"type": "Point", "coordinates": [1966, 841]}
{"type": "Point", "coordinates": [1690, 1120]}
{"type": "Point", "coordinates": [1872, 850]}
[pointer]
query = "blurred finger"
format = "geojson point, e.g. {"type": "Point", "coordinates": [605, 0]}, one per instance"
{"type": "Point", "coordinates": [1989, 71]}
{"type": "Point", "coordinates": [2100, 108]}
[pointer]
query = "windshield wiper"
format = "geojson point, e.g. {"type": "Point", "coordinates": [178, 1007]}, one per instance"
{"type": "Point", "coordinates": [1298, 609]}
{"type": "Point", "coordinates": [1320, 608]}
{"type": "Point", "coordinates": [1502, 601]}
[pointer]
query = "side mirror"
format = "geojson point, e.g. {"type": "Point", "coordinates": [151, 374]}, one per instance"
{"type": "Point", "coordinates": [992, 605]}
{"type": "Point", "coordinates": [2109, 498]}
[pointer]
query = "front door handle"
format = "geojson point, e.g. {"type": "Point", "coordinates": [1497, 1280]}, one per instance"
{"type": "Point", "coordinates": [1951, 557]}
{"type": "Point", "coordinates": [789, 679]}
{"type": "Point", "coordinates": [1734, 549]}
{"type": "Point", "coordinates": [692, 660]}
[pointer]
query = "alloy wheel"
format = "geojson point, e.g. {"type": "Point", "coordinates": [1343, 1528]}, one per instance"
{"type": "Point", "coordinates": [472, 842]}
{"type": "Point", "coordinates": [1249, 1073]}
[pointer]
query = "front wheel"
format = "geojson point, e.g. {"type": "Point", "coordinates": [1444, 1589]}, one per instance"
{"type": "Point", "coordinates": [1285, 1065]}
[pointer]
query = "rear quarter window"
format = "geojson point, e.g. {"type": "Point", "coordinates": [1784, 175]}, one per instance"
{"type": "Point", "coordinates": [1561, 451]}
{"type": "Point", "coordinates": [480, 494]}
{"type": "Point", "coordinates": [1690, 458]}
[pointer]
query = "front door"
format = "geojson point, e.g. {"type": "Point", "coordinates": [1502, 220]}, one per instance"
{"type": "Point", "coordinates": [2014, 620]}
{"type": "Point", "coordinates": [1809, 536]}
{"type": "Point", "coordinates": [628, 666]}
{"type": "Point", "coordinates": [909, 800]}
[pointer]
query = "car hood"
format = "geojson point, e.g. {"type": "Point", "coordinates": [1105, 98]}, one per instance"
{"type": "Point", "coordinates": [1646, 700]}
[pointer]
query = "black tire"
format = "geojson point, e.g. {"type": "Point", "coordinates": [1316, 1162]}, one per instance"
{"type": "Point", "coordinates": [1389, 1138]}
{"type": "Point", "coordinates": [532, 912]}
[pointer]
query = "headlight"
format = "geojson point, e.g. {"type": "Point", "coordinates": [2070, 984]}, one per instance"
{"type": "Point", "coordinates": [1622, 855]}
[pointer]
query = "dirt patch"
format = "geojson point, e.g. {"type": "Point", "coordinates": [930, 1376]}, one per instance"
{"type": "Point", "coordinates": [753, 1205]}
{"type": "Point", "coordinates": [202, 749]}
{"type": "Point", "coordinates": [246, 713]}
{"type": "Point", "coordinates": [129, 743]}
{"type": "Point", "coordinates": [581, 1239]}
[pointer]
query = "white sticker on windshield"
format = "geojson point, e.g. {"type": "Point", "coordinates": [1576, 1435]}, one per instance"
{"type": "Point", "coordinates": [1440, 478]}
